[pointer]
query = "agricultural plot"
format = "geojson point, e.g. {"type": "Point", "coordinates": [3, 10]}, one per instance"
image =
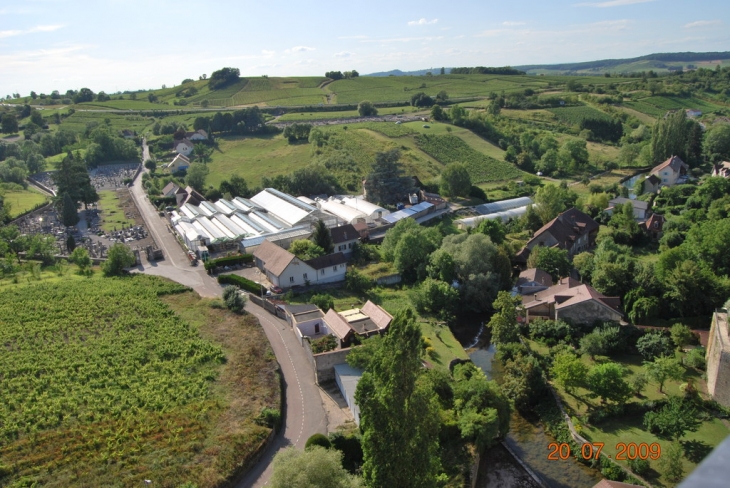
{"type": "Point", "coordinates": [482, 168]}
{"type": "Point", "coordinates": [104, 385]}
{"type": "Point", "coordinates": [112, 213]}
{"type": "Point", "coordinates": [269, 91]}
{"type": "Point", "coordinates": [77, 121]}
{"type": "Point", "coordinates": [576, 115]}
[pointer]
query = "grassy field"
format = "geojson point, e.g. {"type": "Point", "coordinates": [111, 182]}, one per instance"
{"type": "Point", "coordinates": [254, 157]}
{"type": "Point", "coordinates": [303, 116]}
{"type": "Point", "coordinates": [576, 115]}
{"type": "Point", "coordinates": [108, 382]}
{"type": "Point", "coordinates": [22, 200]}
{"type": "Point", "coordinates": [112, 215]}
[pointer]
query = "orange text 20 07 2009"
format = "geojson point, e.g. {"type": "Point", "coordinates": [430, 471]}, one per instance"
{"type": "Point", "coordinates": [592, 450]}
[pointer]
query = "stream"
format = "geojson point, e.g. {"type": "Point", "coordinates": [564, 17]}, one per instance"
{"type": "Point", "coordinates": [529, 441]}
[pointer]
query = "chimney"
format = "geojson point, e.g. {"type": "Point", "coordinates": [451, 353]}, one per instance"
{"type": "Point", "coordinates": [535, 296]}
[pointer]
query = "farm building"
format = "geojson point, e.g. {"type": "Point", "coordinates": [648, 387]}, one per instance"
{"type": "Point", "coordinates": [343, 212]}
{"type": "Point", "coordinates": [504, 216]}
{"type": "Point", "coordinates": [289, 210]}
{"type": "Point", "coordinates": [503, 205]}
{"type": "Point", "coordinates": [416, 211]}
{"type": "Point", "coordinates": [372, 212]}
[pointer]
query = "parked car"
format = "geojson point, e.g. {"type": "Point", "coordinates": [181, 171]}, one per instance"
{"type": "Point", "coordinates": [276, 290]}
{"type": "Point", "coordinates": [426, 126]}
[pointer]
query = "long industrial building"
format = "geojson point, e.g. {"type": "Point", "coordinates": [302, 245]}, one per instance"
{"type": "Point", "coordinates": [503, 210]}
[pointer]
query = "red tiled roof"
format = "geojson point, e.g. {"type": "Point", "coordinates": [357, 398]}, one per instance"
{"type": "Point", "coordinates": [275, 259]}
{"type": "Point", "coordinates": [675, 163]}
{"type": "Point", "coordinates": [567, 227]}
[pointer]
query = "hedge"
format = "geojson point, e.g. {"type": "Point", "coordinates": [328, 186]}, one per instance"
{"type": "Point", "coordinates": [228, 261]}
{"type": "Point", "coordinates": [241, 282]}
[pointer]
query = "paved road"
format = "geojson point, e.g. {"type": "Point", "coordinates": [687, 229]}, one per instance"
{"type": "Point", "coordinates": [304, 413]}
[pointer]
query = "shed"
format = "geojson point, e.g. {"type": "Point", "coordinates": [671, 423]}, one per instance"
{"type": "Point", "coordinates": [347, 379]}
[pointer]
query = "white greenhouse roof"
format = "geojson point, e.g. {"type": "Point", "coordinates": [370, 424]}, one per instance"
{"type": "Point", "coordinates": [503, 205]}
{"type": "Point", "coordinates": [512, 213]}
{"type": "Point", "coordinates": [349, 214]}
{"type": "Point", "coordinates": [364, 206]}
{"type": "Point", "coordinates": [284, 206]}
{"type": "Point", "coordinates": [225, 207]}
{"type": "Point", "coordinates": [207, 209]}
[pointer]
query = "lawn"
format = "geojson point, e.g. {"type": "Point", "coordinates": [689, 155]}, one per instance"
{"type": "Point", "coordinates": [112, 381]}
{"type": "Point", "coordinates": [21, 201]}
{"type": "Point", "coordinates": [254, 157]}
{"type": "Point", "coordinates": [112, 215]}
{"type": "Point", "coordinates": [630, 428]}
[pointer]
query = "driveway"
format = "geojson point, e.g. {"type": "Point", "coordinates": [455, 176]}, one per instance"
{"type": "Point", "coordinates": [304, 413]}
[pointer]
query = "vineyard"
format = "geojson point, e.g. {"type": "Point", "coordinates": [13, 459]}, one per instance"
{"type": "Point", "coordinates": [388, 128]}
{"type": "Point", "coordinates": [576, 115]}
{"type": "Point", "coordinates": [103, 384]}
{"type": "Point", "coordinates": [482, 168]}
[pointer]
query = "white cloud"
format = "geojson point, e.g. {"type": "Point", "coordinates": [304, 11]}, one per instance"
{"type": "Point", "coordinates": [403, 39]}
{"type": "Point", "coordinates": [611, 3]}
{"type": "Point", "coordinates": [38, 28]}
{"type": "Point", "coordinates": [299, 49]}
{"type": "Point", "coordinates": [344, 54]}
{"type": "Point", "coordinates": [352, 37]}
{"type": "Point", "coordinates": [702, 23]}
{"type": "Point", "coordinates": [510, 24]}
{"type": "Point", "coordinates": [268, 54]}
{"type": "Point", "coordinates": [422, 21]}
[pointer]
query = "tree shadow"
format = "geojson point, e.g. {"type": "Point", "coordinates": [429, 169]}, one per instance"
{"type": "Point", "coordinates": [695, 451]}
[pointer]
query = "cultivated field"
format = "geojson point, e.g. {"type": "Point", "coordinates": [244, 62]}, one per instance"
{"type": "Point", "coordinates": [109, 382]}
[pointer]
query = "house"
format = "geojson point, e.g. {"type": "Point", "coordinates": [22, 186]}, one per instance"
{"type": "Point", "coordinates": [183, 146]}
{"type": "Point", "coordinates": [189, 195]}
{"type": "Point", "coordinates": [344, 237]}
{"type": "Point", "coordinates": [171, 190]}
{"type": "Point", "coordinates": [693, 113]}
{"type": "Point", "coordinates": [572, 230]}
{"type": "Point", "coordinates": [532, 281]}
{"type": "Point", "coordinates": [653, 226]}
{"type": "Point", "coordinates": [128, 134]}
{"type": "Point", "coordinates": [604, 483]}
{"type": "Point", "coordinates": [651, 184]}
{"type": "Point", "coordinates": [198, 135]}
{"type": "Point", "coordinates": [722, 169]}
{"type": "Point", "coordinates": [361, 322]}
{"type": "Point", "coordinates": [179, 163]}
{"type": "Point", "coordinates": [640, 207]}
{"type": "Point", "coordinates": [285, 270]}
{"type": "Point", "coordinates": [670, 171]}
{"type": "Point", "coordinates": [572, 300]}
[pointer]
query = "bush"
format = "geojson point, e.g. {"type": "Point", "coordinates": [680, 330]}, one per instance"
{"type": "Point", "coordinates": [318, 440]}
{"type": "Point", "coordinates": [228, 261]}
{"type": "Point", "coordinates": [234, 300]}
{"type": "Point", "coordinates": [324, 344]}
{"type": "Point", "coordinates": [639, 466]}
{"type": "Point", "coordinates": [654, 344]}
{"type": "Point", "coordinates": [351, 449]}
{"type": "Point", "coordinates": [610, 471]}
{"type": "Point", "coordinates": [240, 282]}
{"type": "Point", "coordinates": [696, 358]}
{"type": "Point", "coordinates": [269, 417]}
{"type": "Point", "coordinates": [357, 282]}
{"type": "Point", "coordinates": [324, 301]}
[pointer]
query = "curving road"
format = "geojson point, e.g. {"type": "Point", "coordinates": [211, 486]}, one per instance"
{"type": "Point", "coordinates": [304, 413]}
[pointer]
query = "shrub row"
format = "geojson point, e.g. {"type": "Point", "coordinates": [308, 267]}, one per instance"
{"type": "Point", "coordinates": [228, 261]}
{"type": "Point", "coordinates": [241, 282]}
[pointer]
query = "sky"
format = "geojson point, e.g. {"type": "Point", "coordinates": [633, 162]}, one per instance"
{"type": "Point", "coordinates": [118, 45]}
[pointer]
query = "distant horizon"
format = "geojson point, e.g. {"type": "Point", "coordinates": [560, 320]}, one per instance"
{"type": "Point", "coordinates": [48, 45]}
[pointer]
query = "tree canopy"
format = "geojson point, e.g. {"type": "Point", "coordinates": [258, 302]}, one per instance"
{"type": "Point", "coordinates": [385, 184]}
{"type": "Point", "coordinates": [315, 467]}
{"type": "Point", "coordinates": [223, 77]}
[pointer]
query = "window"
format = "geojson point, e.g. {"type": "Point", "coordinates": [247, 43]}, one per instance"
{"type": "Point", "coordinates": [349, 245]}
{"type": "Point", "coordinates": [316, 328]}
{"type": "Point", "coordinates": [323, 272]}
{"type": "Point", "coordinates": [291, 279]}
{"type": "Point", "coordinates": [334, 268]}
{"type": "Point", "coordinates": [305, 276]}
{"type": "Point", "coordinates": [342, 266]}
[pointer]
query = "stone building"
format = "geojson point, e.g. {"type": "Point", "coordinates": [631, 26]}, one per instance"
{"type": "Point", "coordinates": [718, 359]}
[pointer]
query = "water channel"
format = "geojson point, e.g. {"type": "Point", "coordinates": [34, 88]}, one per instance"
{"type": "Point", "coordinates": [528, 440]}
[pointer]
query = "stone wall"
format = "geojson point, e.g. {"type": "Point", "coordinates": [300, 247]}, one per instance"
{"type": "Point", "coordinates": [324, 363]}
{"type": "Point", "coordinates": [718, 359]}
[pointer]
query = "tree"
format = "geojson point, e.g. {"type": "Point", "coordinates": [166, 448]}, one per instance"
{"type": "Point", "coordinates": [442, 96]}
{"type": "Point", "coordinates": [676, 135]}
{"type": "Point", "coordinates": [638, 382]}
{"type": "Point", "coordinates": [386, 183]}
{"type": "Point", "coordinates": [436, 298]}
{"type": "Point", "coordinates": [420, 99]}
{"type": "Point", "coordinates": [674, 419]}
{"type": "Point", "coordinates": [681, 335]}
{"type": "Point", "coordinates": [202, 152]}
{"type": "Point", "coordinates": [118, 258]}
{"type": "Point", "coordinates": [305, 249]}
{"type": "Point", "coordinates": [438, 113]}
{"type": "Point", "coordinates": [366, 109]}
{"type": "Point", "coordinates": [9, 123]}
{"type": "Point", "coordinates": [357, 282]}
{"type": "Point", "coordinates": [716, 146]}
{"type": "Point", "coordinates": [523, 382]}
{"type": "Point", "coordinates": [550, 200]}
{"type": "Point", "coordinates": [235, 187]}
{"type": "Point", "coordinates": [503, 323]}
{"type": "Point", "coordinates": [80, 257]}
{"type": "Point", "coordinates": [569, 371]}
{"type": "Point", "coordinates": [492, 228]}
{"type": "Point", "coordinates": [83, 95]}
{"type": "Point", "coordinates": [593, 344]}
{"type": "Point", "coordinates": [322, 237]}
{"type": "Point", "coordinates": [550, 259]}
{"type": "Point", "coordinates": [151, 165]}
{"type": "Point", "coordinates": [223, 77]}
{"type": "Point", "coordinates": [662, 369]}
{"type": "Point", "coordinates": [197, 172]}
{"type": "Point", "coordinates": [324, 301]}
{"type": "Point", "coordinates": [399, 414]}
{"type": "Point", "coordinates": [654, 344]}
{"type": "Point", "coordinates": [315, 467]}
{"type": "Point", "coordinates": [410, 256]}
{"type": "Point", "coordinates": [70, 244]}
{"type": "Point", "coordinates": [69, 212]}
{"type": "Point", "coordinates": [455, 180]}
{"type": "Point", "coordinates": [671, 461]}
{"type": "Point", "coordinates": [606, 381]}
{"type": "Point", "coordinates": [234, 300]}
